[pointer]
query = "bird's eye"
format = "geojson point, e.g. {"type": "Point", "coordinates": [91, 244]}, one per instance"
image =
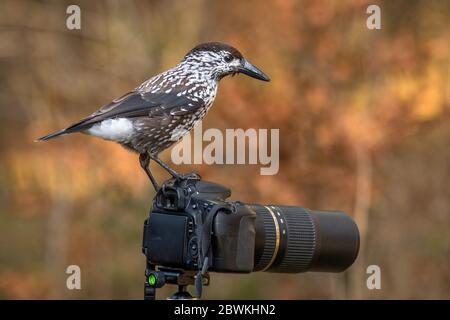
{"type": "Point", "coordinates": [228, 58]}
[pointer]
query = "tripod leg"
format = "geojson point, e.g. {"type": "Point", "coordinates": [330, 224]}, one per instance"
{"type": "Point", "coordinates": [166, 167]}
{"type": "Point", "coordinates": [144, 160]}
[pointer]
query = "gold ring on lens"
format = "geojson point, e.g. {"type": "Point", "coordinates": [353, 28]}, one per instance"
{"type": "Point", "coordinates": [277, 238]}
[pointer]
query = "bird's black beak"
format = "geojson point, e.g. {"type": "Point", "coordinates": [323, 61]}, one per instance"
{"type": "Point", "coordinates": [252, 71]}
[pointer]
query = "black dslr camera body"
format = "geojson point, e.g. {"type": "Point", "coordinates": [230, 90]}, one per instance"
{"type": "Point", "coordinates": [192, 229]}
{"type": "Point", "coordinates": [177, 233]}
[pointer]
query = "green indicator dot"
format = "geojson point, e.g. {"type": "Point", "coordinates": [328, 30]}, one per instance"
{"type": "Point", "coordinates": [152, 279]}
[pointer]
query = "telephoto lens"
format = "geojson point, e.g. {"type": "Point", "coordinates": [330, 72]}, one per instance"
{"type": "Point", "coordinates": [294, 239]}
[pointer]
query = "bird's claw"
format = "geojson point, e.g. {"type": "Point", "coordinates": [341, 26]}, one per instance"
{"type": "Point", "coordinates": [188, 176]}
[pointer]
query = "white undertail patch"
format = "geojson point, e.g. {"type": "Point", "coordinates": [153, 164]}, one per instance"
{"type": "Point", "coordinates": [120, 129]}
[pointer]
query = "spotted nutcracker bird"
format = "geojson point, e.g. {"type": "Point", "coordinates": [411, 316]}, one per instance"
{"type": "Point", "coordinates": [164, 108]}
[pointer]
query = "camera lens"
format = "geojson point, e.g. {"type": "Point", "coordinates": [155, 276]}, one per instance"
{"type": "Point", "coordinates": [294, 239]}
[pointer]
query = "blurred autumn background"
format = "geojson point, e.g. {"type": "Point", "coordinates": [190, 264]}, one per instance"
{"type": "Point", "coordinates": [364, 128]}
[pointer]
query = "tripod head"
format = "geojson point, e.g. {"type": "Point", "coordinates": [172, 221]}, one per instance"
{"type": "Point", "coordinates": [162, 276]}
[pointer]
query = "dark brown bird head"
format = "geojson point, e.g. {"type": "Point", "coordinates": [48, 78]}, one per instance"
{"type": "Point", "coordinates": [221, 60]}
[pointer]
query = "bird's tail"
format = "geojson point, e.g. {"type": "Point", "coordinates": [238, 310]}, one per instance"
{"type": "Point", "coordinates": [53, 135]}
{"type": "Point", "coordinates": [80, 126]}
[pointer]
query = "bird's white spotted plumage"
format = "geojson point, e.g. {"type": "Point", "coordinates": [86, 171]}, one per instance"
{"type": "Point", "coordinates": [167, 106]}
{"type": "Point", "coordinates": [164, 108]}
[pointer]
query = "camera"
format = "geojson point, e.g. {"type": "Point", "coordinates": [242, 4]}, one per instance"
{"type": "Point", "coordinates": [193, 229]}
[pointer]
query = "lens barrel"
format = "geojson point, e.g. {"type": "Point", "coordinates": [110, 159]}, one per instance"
{"type": "Point", "coordinates": [294, 239]}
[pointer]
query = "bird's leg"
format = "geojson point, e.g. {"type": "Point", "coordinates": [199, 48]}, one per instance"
{"type": "Point", "coordinates": [166, 167]}
{"type": "Point", "coordinates": [144, 160]}
{"type": "Point", "coordinates": [191, 175]}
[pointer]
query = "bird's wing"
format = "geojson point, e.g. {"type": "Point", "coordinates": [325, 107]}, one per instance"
{"type": "Point", "coordinates": [141, 104]}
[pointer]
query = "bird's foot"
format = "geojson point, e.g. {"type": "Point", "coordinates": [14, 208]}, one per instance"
{"type": "Point", "coordinates": [187, 176]}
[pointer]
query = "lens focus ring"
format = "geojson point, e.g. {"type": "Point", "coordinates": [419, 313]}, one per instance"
{"type": "Point", "coordinates": [292, 228]}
